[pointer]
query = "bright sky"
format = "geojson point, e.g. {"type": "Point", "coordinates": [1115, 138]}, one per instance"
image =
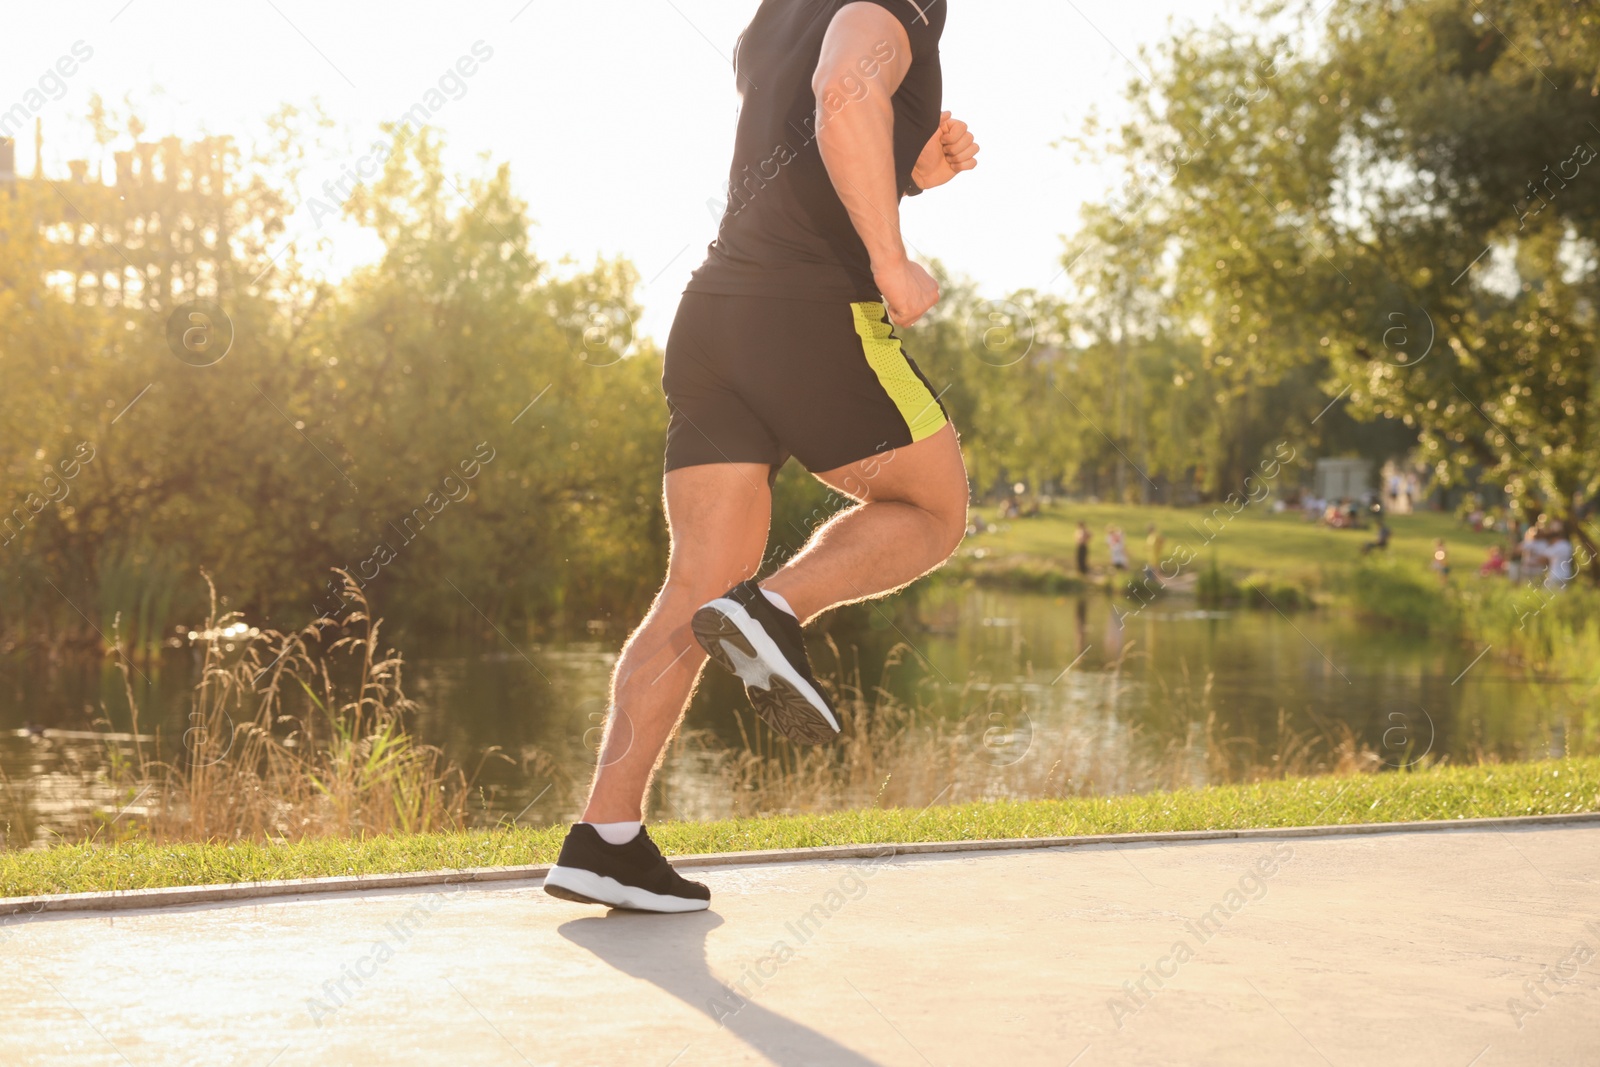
{"type": "Point", "coordinates": [616, 115]}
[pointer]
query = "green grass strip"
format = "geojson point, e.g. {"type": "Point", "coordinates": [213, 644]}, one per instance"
{"type": "Point", "coordinates": [1543, 788]}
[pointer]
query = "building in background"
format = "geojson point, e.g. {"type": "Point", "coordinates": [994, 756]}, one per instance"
{"type": "Point", "coordinates": [1342, 478]}
{"type": "Point", "coordinates": [156, 235]}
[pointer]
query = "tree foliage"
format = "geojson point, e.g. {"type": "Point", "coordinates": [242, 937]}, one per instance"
{"type": "Point", "coordinates": [339, 428]}
{"type": "Point", "coordinates": [1396, 211]}
{"type": "Point", "coordinates": [1369, 233]}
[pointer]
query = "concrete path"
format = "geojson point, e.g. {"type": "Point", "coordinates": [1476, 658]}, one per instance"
{"type": "Point", "coordinates": [1455, 948]}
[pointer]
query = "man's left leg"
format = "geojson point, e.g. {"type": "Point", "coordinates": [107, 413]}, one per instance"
{"type": "Point", "coordinates": [717, 516]}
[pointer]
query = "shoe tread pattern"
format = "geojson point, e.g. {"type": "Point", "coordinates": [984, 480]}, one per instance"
{"type": "Point", "coordinates": [782, 707]}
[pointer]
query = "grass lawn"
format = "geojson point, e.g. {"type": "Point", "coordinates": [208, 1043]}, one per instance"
{"type": "Point", "coordinates": [1255, 540]}
{"type": "Point", "coordinates": [1548, 787]}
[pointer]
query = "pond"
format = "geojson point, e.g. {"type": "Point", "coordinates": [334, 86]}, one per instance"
{"type": "Point", "coordinates": [1037, 694]}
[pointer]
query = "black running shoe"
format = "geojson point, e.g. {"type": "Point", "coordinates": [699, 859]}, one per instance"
{"type": "Point", "coordinates": [634, 875]}
{"type": "Point", "coordinates": [750, 636]}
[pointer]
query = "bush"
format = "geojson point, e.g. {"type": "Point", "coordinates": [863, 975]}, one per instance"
{"type": "Point", "coordinates": [1401, 593]}
{"type": "Point", "coordinates": [1016, 572]}
{"type": "Point", "coordinates": [1215, 589]}
{"type": "Point", "coordinates": [1268, 590]}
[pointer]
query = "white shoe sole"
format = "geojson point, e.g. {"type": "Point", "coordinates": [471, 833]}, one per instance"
{"type": "Point", "coordinates": [603, 890]}
{"type": "Point", "coordinates": [769, 658]}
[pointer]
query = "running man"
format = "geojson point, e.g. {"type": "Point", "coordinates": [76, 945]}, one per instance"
{"type": "Point", "coordinates": [784, 344]}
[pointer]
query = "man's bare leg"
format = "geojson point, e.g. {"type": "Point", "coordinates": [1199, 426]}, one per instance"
{"type": "Point", "coordinates": [911, 516]}
{"type": "Point", "coordinates": [717, 516]}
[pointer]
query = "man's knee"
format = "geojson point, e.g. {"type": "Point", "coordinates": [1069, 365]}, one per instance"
{"type": "Point", "coordinates": [952, 522]}
{"type": "Point", "coordinates": [692, 586]}
{"type": "Point", "coordinates": [942, 491]}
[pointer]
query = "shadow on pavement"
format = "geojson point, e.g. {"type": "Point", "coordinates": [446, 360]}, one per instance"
{"type": "Point", "coordinates": [669, 951]}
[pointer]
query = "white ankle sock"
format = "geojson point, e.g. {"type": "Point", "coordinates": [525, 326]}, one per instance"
{"type": "Point", "coordinates": [778, 601]}
{"type": "Point", "coordinates": [616, 833]}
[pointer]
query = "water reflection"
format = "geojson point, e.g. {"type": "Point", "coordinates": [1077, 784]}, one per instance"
{"type": "Point", "coordinates": [1061, 695]}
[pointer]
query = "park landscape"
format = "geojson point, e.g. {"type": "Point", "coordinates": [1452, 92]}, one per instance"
{"type": "Point", "coordinates": [315, 574]}
{"type": "Point", "coordinates": [207, 608]}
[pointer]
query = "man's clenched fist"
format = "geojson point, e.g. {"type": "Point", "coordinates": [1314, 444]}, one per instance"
{"type": "Point", "coordinates": [908, 291]}
{"type": "Point", "coordinates": [948, 152]}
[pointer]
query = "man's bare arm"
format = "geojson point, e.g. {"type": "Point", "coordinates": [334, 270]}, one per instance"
{"type": "Point", "coordinates": [865, 56]}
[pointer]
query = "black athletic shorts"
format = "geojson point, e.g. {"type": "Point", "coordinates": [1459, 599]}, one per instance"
{"type": "Point", "coordinates": [755, 379]}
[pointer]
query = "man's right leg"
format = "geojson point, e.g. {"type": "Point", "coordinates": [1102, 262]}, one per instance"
{"type": "Point", "coordinates": [834, 387]}
{"type": "Point", "coordinates": [911, 515]}
{"type": "Point", "coordinates": [717, 516]}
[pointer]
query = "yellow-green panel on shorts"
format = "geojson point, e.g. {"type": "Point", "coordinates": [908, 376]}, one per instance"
{"type": "Point", "coordinates": [888, 361]}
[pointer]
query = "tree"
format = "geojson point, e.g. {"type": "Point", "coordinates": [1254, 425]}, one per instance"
{"type": "Point", "coordinates": [1310, 214]}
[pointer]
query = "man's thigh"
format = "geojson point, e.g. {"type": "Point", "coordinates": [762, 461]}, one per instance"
{"type": "Point", "coordinates": [928, 473]}
{"type": "Point", "coordinates": [717, 515]}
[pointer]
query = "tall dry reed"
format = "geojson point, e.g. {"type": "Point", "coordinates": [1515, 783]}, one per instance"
{"type": "Point", "coordinates": [291, 735]}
